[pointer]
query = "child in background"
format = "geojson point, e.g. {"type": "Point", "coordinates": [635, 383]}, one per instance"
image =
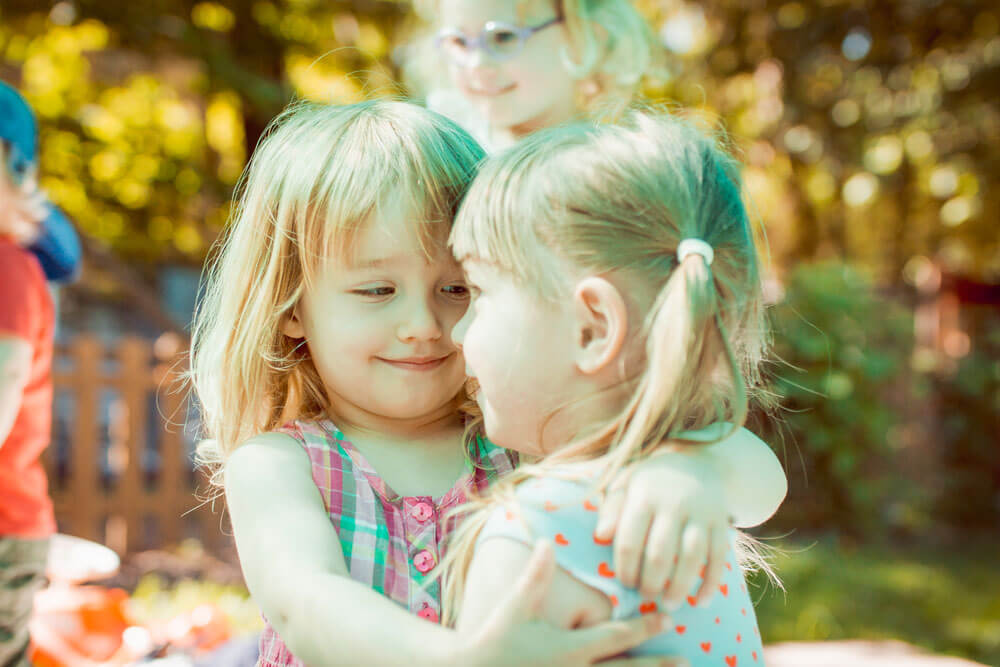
{"type": "Point", "coordinates": [516, 66]}
{"type": "Point", "coordinates": [56, 244]}
{"type": "Point", "coordinates": [27, 323]}
{"type": "Point", "coordinates": [617, 304]}
{"type": "Point", "coordinates": [323, 361]}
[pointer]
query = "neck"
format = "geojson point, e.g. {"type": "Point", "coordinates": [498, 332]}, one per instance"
{"type": "Point", "coordinates": [355, 421]}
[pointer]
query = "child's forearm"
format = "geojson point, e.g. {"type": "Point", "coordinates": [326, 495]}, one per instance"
{"type": "Point", "coordinates": [337, 621]}
{"type": "Point", "coordinates": [751, 474]}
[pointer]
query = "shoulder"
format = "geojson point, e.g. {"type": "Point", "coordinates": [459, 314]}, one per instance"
{"type": "Point", "coordinates": [264, 461]}
{"type": "Point", "coordinates": [18, 261]}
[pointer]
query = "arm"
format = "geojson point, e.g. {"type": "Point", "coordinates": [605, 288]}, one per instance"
{"type": "Point", "coordinates": [15, 368]}
{"type": "Point", "coordinates": [556, 597]}
{"type": "Point", "coordinates": [295, 569]}
{"type": "Point", "coordinates": [752, 477]}
{"type": "Point", "coordinates": [671, 512]}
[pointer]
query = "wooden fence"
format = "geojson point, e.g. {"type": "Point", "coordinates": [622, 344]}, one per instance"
{"type": "Point", "coordinates": [120, 465]}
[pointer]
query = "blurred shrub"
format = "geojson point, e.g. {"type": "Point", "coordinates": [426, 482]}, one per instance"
{"type": "Point", "coordinates": [842, 355]}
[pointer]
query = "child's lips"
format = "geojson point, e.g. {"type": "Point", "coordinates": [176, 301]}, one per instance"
{"type": "Point", "coordinates": [418, 363]}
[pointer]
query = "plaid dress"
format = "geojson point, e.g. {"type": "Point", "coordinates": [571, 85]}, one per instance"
{"type": "Point", "coordinates": [390, 542]}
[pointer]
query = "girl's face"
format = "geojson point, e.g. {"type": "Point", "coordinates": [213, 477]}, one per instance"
{"type": "Point", "coordinates": [529, 90]}
{"type": "Point", "coordinates": [515, 346]}
{"type": "Point", "coordinates": [378, 328]}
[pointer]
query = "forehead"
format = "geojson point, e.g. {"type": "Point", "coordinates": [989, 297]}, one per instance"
{"type": "Point", "coordinates": [473, 14]}
{"type": "Point", "coordinates": [399, 228]}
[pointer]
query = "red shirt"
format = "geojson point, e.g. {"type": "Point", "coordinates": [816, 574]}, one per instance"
{"type": "Point", "coordinates": [26, 312]}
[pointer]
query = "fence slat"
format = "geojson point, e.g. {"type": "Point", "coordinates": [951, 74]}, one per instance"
{"type": "Point", "coordinates": [84, 483]}
{"type": "Point", "coordinates": [82, 503]}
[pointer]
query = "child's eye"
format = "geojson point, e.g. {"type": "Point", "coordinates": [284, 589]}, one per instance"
{"type": "Point", "coordinates": [459, 290]}
{"type": "Point", "coordinates": [375, 291]}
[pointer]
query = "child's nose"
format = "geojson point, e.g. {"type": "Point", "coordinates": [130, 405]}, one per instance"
{"type": "Point", "coordinates": [422, 323]}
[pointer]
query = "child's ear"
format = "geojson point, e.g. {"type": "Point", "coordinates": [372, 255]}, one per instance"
{"type": "Point", "coordinates": [601, 324]}
{"type": "Point", "coordinates": [291, 325]}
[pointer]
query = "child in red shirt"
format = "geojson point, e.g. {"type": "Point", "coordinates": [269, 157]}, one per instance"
{"type": "Point", "coordinates": [27, 321]}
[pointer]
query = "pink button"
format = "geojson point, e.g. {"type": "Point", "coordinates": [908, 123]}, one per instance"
{"type": "Point", "coordinates": [424, 561]}
{"type": "Point", "coordinates": [422, 511]}
{"type": "Point", "coordinates": [428, 614]}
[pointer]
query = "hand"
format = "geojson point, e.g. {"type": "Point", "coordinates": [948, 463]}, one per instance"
{"type": "Point", "coordinates": [669, 515]}
{"type": "Point", "coordinates": [513, 635]}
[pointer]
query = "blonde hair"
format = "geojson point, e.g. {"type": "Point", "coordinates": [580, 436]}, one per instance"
{"type": "Point", "coordinates": [316, 176]}
{"type": "Point", "coordinates": [614, 48]}
{"type": "Point", "coordinates": [616, 200]}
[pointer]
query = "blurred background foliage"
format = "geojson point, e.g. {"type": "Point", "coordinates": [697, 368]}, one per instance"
{"type": "Point", "coordinates": [871, 138]}
{"type": "Point", "coordinates": [870, 133]}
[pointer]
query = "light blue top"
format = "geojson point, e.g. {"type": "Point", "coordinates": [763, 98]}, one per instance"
{"type": "Point", "coordinates": [722, 634]}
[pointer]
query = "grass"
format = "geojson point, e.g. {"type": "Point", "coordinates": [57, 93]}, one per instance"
{"type": "Point", "coordinates": [947, 601]}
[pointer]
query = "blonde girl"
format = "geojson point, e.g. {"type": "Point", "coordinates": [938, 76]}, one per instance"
{"type": "Point", "coordinates": [617, 305]}
{"type": "Point", "coordinates": [331, 388]}
{"type": "Point", "coordinates": [516, 66]}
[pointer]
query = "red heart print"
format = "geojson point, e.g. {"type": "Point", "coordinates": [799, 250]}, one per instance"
{"type": "Point", "coordinates": [725, 589]}
{"type": "Point", "coordinates": [509, 515]}
{"type": "Point", "coordinates": [602, 542]}
{"type": "Point", "coordinates": [706, 646]}
{"type": "Point", "coordinates": [729, 567]}
{"type": "Point", "coordinates": [589, 506]}
{"type": "Point", "coordinates": [647, 607]}
{"type": "Point", "coordinates": [743, 611]}
{"type": "Point", "coordinates": [561, 540]}
{"type": "Point", "coordinates": [739, 637]}
{"type": "Point", "coordinates": [731, 660]}
{"type": "Point", "coordinates": [614, 600]}
{"type": "Point", "coordinates": [680, 629]}
{"type": "Point", "coordinates": [718, 620]}
{"type": "Point", "coordinates": [605, 571]}
{"type": "Point", "coordinates": [550, 506]}
{"type": "Point", "coordinates": [692, 600]}
{"type": "Point", "coordinates": [754, 654]}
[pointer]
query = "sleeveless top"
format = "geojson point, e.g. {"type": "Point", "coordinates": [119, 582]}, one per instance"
{"type": "Point", "coordinates": [390, 542]}
{"type": "Point", "coordinates": [723, 633]}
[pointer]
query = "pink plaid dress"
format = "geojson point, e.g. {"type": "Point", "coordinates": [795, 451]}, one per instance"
{"type": "Point", "coordinates": [390, 542]}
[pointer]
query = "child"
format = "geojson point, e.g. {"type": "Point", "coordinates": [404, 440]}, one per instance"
{"type": "Point", "coordinates": [516, 66]}
{"type": "Point", "coordinates": [328, 380]}
{"type": "Point", "coordinates": [616, 303]}
{"type": "Point", "coordinates": [27, 323]}
{"type": "Point", "coordinates": [55, 244]}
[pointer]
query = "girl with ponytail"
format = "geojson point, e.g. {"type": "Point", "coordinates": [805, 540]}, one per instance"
{"type": "Point", "coordinates": [617, 312]}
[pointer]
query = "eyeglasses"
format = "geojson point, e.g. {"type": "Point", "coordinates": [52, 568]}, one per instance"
{"type": "Point", "coordinates": [501, 40]}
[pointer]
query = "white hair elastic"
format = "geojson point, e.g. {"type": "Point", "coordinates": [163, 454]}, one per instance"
{"type": "Point", "coordinates": [695, 247]}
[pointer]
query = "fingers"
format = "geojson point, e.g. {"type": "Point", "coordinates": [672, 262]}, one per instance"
{"type": "Point", "coordinates": [694, 548]}
{"type": "Point", "coordinates": [715, 568]}
{"type": "Point", "coordinates": [629, 541]}
{"type": "Point", "coordinates": [614, 637]}
{"type": "Point", "coordinates": [609, 516]}
{"type": "Point", "coordinates": [660, 557]}
{"type": "Point", "coordinates": [532, 586]}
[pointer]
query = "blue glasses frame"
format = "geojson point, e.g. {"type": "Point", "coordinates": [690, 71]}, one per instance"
{"type": "Point", "coordinates": [483, 40]}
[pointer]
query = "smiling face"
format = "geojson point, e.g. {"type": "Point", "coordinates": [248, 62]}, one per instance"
{"type": "Point", "coordinates": [527, 91]}
{"type": "Point", "coordinates": [378, 326]}
{"type": "Point", "coordinates": [515, 346]}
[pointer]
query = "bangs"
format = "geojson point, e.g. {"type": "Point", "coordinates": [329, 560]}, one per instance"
{"type": "Point", "coordinates": [498, 219]}
{"type": "Point", "coordinates": [332, 168]}
{"type": "Point", "coordinates": [510, 215]}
